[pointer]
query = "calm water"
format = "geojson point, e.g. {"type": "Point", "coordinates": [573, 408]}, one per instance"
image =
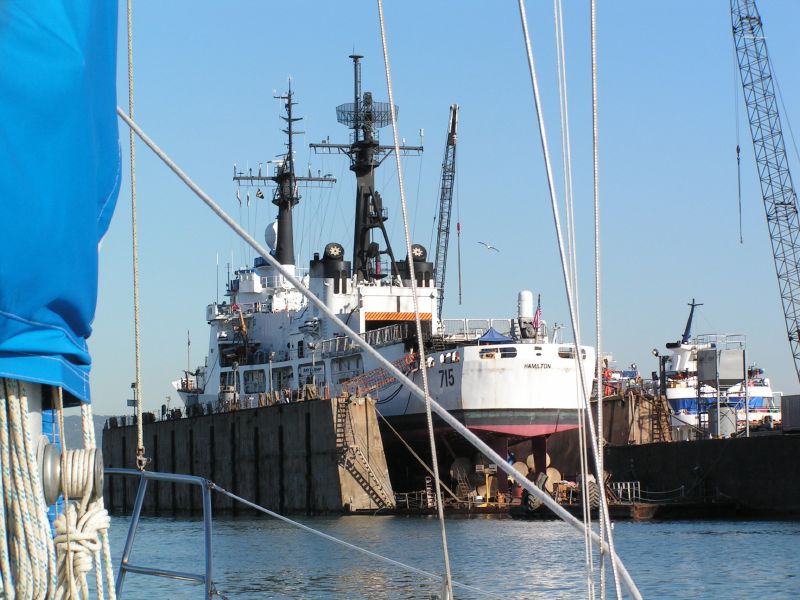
{"type": "Point", "coordinates": [262, 558]}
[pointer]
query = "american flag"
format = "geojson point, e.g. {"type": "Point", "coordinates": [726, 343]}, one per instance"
{"type": "Point", "coordinates": [537, 316]}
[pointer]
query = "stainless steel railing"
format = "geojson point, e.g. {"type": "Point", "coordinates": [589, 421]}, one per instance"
{"type": "Point", "coordinates": [125, 567]}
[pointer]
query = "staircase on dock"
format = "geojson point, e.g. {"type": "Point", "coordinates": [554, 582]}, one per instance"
{"type": "Point", "coordinates": [651, 423]}
{"type": "Point", "coordinates": [355, 462]}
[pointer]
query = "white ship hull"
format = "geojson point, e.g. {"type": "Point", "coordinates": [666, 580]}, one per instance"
{"type": "Point", "coordinates": [515, 389]}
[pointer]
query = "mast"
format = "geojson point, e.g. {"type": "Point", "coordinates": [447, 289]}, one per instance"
{"type": "Point", "coordinates": [286, 195]}
{"type": "Point", "coordinates": [364, 117]}
{"type": "Point", "coordinates": [687, 332]}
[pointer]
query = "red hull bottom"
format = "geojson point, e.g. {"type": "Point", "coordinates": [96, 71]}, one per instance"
{"type": "Point", "coordinates": [524, 430]}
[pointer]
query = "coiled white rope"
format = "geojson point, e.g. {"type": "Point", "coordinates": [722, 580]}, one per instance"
{"type": "Point", "coordinates": [603, 510]}
{"type": "Point", "coordinates": [90, 442]}
{"type": "Point", "coordinates": [77, 546]}
{"type": "Point", "coordinates": [81, 540]}
{"type": "Point", "coordinates": [420, 345]}
{"type": "Point", "coordinates": [27, 553]}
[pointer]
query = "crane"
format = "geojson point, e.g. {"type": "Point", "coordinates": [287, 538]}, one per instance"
{"type": "Point", "coordinates": [445, 204]}
{"type": "Point", "coordinates": [777, 190]}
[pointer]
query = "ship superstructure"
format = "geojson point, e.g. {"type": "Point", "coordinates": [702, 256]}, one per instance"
{"type": "Point", "coordinates": [268, 344]}
{"type": "Point", "coordinates": [691, 399]}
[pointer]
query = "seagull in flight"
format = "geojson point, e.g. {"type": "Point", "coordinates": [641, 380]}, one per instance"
{"type": "Point", "coordinates": [489, 246]}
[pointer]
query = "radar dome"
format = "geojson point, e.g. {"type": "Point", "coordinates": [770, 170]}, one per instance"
{"type": "Point", "coordinates": [271, 235]}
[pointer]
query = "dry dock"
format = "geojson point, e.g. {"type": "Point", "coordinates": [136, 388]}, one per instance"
{"type": "Point", "coordinates": [303, 457]}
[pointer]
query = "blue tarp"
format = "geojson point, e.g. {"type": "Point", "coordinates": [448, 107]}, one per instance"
{"type": "Point", "coordinates": [492, 336]}
{"type": "Point", "coordinates": [59, 181]}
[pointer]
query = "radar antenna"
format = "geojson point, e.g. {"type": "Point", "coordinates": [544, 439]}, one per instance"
{"type": "Point", "coordinates": [286, 194]}
{"type": "Point", "coordinates": [364, 117]}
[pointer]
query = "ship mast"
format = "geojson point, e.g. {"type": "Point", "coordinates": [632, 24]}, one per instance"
{"type": "Point", "coordinates": [687, 332]}
{"type": "Point", "coordinates": [364, 117]}
{"type": "Point", "coordinates": [286, 182]}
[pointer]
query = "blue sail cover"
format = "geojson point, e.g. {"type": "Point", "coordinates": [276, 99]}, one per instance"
{"type": "Point", "coordinates": [59, 181]}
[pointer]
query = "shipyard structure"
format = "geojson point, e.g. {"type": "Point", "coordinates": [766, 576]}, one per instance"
{"type": "Point", "coordinates": [305, 457]}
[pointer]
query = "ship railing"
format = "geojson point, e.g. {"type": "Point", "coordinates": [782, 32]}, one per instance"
{"type": "Point", "coordinates": [387, 335]}
{"type": "Point", "coordinates": [126, 567]}
{"type": "Point", "coordinates": [470, 329]}
{"type": "Point", "coordinates": [411, 500]}
{"type": "Point", "coordinates": [384, 336]}
{"type": "Point", "coordinates": [631, 491]}
{"type": "Point", "coordinates": [279, 281]}
{"type": "Point", "coordinates": [627, 491]}
{"type": "Point", "coordinates": [723, 341]}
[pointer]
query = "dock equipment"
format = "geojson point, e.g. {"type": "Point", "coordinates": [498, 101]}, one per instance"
{"type": "Point", "coordinates": [445, 204]}
{"type": "Point", "coordinates": [780, 198]}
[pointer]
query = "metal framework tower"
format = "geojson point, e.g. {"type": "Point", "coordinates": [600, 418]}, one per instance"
{"type": "Point", "coordinates": [780, 199]}
{"type": "Point", "coordinates": [286, 194]}
{"type": "Point", "coordinates": [445, 204]}
{"type": "Point", "coordinates": [365, 117]}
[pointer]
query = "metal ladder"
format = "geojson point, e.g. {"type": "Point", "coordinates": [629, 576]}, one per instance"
{"type": "Point", "coordinates": [463, 488]}
{"type": "Point", "coordinates": [351, 457]}
{"type": "Point", "coordinates": [659, 419]}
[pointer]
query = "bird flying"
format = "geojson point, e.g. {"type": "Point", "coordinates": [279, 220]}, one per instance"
{"type": "Point", "coordinates": [489, 246]}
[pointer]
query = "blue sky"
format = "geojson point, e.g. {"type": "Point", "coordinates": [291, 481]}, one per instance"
{"type": "Point", "coordinates": [205, 74]}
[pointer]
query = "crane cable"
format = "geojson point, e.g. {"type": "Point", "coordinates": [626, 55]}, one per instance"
{"type": "Point", "coordinates": [566, 156]}
{"type": "Point", "coordinates": [738, 147]}
{"type": "Point", "coordinates": [448, 590]}
{"type": "Point", "coordinates": [565, 272]}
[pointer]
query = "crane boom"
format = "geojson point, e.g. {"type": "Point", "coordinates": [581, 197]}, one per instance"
{"type": "Point", "coordinates": [780, 198]}
{"type": "Point", "coordinates": [445, 204]}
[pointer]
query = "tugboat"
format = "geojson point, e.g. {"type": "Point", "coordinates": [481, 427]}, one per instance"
{"type": "Point", "coordinates": [505, 378]}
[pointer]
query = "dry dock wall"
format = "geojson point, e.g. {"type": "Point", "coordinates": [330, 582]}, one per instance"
{"type": "Point", "coordinates": [284, 457]}
{"type": "Point", "coordinates": [760, 475]}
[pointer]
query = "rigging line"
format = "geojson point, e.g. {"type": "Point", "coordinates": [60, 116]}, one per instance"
{"type": "Point", "coordinates": [605, 521]}
{"type": "Point", "coordinates": [416, 456]}
{"type": "Point", "coordinates": [575, 332]}
{"type": "Point", "coordinates": [255, 216]}
{"type": "Point", "coordinates": [458, 229]}
{"type": "Point", "coordinates": [783, 106]}
{"type": "Point", "coordinates": [567, 164]}
{"type": "Point", "coordinates": [739, 189]}
{"type": "Point", "coordinates": [738, 147]}
{"type": "Point", "coordinates": [359, 341]}
{"type": "Point", "coordinates": [412, 276]}
{"type": "Point", "coordinates": [346, 544]}
{"type": "Point", "coordinates": [141, 461]}
{"type": "Point", "coordinates": [566, 150]}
